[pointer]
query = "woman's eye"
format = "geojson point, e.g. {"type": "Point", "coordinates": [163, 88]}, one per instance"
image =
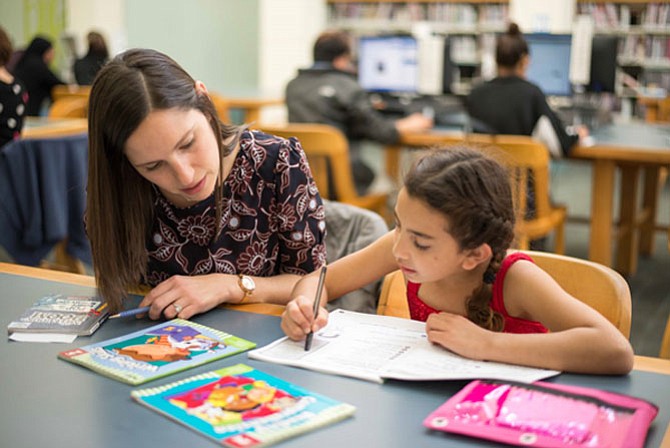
{"type": "Point", "coordinates": [188, 144]}
{"type": "Point", "coordinates": [153, 166]}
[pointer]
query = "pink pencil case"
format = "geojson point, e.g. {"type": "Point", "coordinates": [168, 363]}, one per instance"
{"type": "Point", "coordinates": [545, 414]}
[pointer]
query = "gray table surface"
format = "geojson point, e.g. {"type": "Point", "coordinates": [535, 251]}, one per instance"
{"type": "Point", "coordinates": [49, 402]}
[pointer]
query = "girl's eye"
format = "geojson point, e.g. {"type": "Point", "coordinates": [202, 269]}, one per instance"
{"type": "Point", "coordinates": [421, 247]}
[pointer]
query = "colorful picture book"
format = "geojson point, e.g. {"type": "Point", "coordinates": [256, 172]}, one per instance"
{"type": "Point", "coordinates": [157, 351]}
{"type": "Point", "coordinates": [240, 406]}
{"type": "Point", "coordinates": [63, 314]}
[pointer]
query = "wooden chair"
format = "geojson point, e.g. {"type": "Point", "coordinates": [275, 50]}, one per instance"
{"type": "Point", "coordinates": [327, 150]}
{"type": "Point", "coordinates": [665, 343]}
{"type": "Point", "coordinates": [69, 91]}
{"type": "Point", "coordinates": [221, 106]}
{"type": "Point", "coordinates": [600, 287]}
{"type": "Point", "coordinates": [528, 158]}
{"type": "Point", "coordinates": [63, 261]}
{"type": "Point", "coordinates": [69, 107]}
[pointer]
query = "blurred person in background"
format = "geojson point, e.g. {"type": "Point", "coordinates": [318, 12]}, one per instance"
{"type": "Point", "coordinates": [33, 69]}
{"type": "Point", "coordinates": [87, 67]}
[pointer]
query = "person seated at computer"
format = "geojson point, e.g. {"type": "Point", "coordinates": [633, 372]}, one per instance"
{"type": "Point", "coordinates": [87, 67]}
{"type": "Point", "coordinates": [33, 69]}
{"type": "Point", "coordinates": [329, 93]}
{"type": "Point", "coordinates": [510, 104]}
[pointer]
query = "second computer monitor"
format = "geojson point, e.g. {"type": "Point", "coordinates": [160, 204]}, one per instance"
{"type": "Point", "coordinates": [388, 63]}
{"type": "Point", "coordinates": [549, 66]}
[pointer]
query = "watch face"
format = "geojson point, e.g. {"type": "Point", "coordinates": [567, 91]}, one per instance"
{"type": "Point", "coordinates": [248, 283]}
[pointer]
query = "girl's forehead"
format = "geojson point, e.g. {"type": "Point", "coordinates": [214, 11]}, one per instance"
{"type": "Point", "coordinates": [418, 214]}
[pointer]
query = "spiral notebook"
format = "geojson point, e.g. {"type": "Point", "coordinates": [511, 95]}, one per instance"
{"type": "Point", "coordinates": [157, 351]}
{"type": "Point", "coordinates": [240, 406]}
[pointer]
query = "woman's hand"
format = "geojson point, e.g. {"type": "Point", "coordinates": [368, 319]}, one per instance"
{"type": "Point", "coordinates": [458, 334]}
{"type": "Point", "coordinates": [298, 318]}
{"type": "Point", "coordinates": [185, 296]}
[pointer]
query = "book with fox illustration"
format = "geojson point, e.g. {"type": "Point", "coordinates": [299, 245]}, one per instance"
{"type": "Point", "coordinates": [240, 406]}
{"type": "Point", "coordinates": [157, 351]}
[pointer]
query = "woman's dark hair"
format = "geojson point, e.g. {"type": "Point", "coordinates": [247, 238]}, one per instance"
{"type": "Point", "coordinates": [331, 45]}
{"type": "Point", "coordinates": [119, 200]}
{"type": "Point", "coordinates": [97, 45]}
{"type": "Point", "coordinates": [511, 47]}
{"type": "Point", "coordinates": [5, 48]}
{"type": "Point", "coordinates": [36, 49]}
{"type": "Point", "coordinates": [473, 192]}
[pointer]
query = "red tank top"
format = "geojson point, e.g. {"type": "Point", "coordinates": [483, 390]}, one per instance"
{"type": "Point", "coordinates": [418, 310]}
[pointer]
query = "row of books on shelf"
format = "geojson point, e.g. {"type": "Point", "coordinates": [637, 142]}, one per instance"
{"type": "Point", "coordinates": [653, 16]}
{"type": "Point", "coordinates": [449, 13]}
{"type": "Point", "coordinates": [647, 49]}
{"type": "Point", "coordinates": [239, 405]}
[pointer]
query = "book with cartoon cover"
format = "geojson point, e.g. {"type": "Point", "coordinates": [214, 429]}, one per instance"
{"type": "Point", "coordinates": [240, 406]}
{"type": "Point", "coordinates": [157, 351]}
{"type": "Point", "coordinates": [62, 314]}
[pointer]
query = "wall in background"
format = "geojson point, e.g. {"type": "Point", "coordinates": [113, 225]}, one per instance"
{"type": "Point", "coordinates": [238, 48]}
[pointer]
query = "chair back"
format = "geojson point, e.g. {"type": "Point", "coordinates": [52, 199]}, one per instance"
{"type": "Point", "coordinates": [598, 286]}
{"type": "Point", "coordinates": [69, 107]}
{"type": "Point", "coordinates": [528, 162]}
{"type": "Point", "coordinates": [69, 91]}
{"type": "Point", "coordinates": [327, 151]}
{"type": "Point", "coordinates": [221, 106]}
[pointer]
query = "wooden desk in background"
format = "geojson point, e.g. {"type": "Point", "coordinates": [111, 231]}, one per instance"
{"type": "Point", "coordinates": [631, 147]}
{"type": "Point", "coordinates": [43, 127]}
{"type": "Point", "coordinates": [251, 107]}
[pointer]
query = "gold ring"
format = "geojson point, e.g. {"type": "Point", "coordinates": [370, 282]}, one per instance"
{"type": "Point", "coordinates": [177, 308]}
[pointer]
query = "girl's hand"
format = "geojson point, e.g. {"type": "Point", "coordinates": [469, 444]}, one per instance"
{"type": "Point", "coordinates": [458, 334]}
{"type": "Point", "coordinates": [185, 296]}
{"type": "Point", "coordinates": [298, 319]}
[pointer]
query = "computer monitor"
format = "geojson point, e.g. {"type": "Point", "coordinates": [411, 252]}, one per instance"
{"type": "Point", "coordinates": [388, 63]}
{"type": "Point", "coordinates": [549, 66]}
{"type": "Point", "coordinates": [603, 64]}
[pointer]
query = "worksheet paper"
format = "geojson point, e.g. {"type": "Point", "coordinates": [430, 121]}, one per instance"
{"type": "Point", "coordinates": [373, 347]}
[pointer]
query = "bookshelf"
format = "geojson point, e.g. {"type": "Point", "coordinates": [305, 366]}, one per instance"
{"type": "Point", "coordinates": [643, 29]}
{"type": "Point", "coordinates": [470, 26]}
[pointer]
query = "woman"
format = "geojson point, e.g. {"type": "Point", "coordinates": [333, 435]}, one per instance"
{"type": "Point", "coordinates": [33, 69]}
{"type": "Point", "coordinates": [87, 67]}
{"type": "Point", "coordinates": [13, 96]}
{"type": "Point", "coordinates": [203, 212]}
{"type": "Point", "coordinates": [510, 104]}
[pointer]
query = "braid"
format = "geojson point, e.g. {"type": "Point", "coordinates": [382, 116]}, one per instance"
{"type": "Point", "coordinates": [472, 191]}
{"type": "Point", "coordinates": [478, 305]}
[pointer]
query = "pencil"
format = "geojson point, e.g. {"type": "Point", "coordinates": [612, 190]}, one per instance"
{"type": "Point", "coordinates": [317, 300]}
{"type": "Point", "coordinates": [132, 312]}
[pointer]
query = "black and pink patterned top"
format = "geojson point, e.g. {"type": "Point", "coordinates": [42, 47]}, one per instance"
{"type": "Point", "coordinates": [272, 219]}
{"type": "Point", "coordinates": [13, 100]}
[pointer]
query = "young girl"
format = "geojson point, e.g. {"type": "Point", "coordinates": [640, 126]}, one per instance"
{"type": "Point", "coordinates": [454, 225]}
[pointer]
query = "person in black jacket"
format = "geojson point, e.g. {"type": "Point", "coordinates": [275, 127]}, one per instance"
{"type": "Point", "coordinates": [87, 67]}
{"type": "Point", "coordinates": [33, 70]}
{"type": "Point", "coordinates": [510, 104]}
{"type": "Point", "coordinates": [329, 93]}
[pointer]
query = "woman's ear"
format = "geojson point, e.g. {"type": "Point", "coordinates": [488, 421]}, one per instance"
{"type": "Point", "coordinates": [200, 87]}
{"type": "Point", "coordinates": [475, 257]}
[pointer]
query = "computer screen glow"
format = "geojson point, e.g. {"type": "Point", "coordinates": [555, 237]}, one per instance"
{"type": "Point", "coordinates": [388, 63]}
{"type": "Point", "coordinates": [549, 66]}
